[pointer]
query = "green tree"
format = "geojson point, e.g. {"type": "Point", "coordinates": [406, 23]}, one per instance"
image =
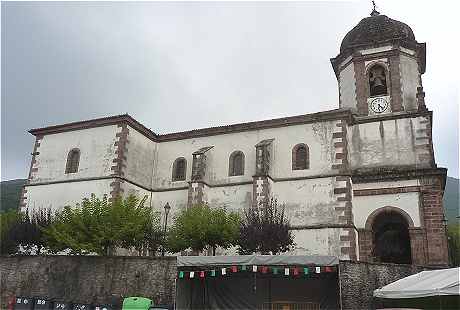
{"type": "Point", "coordinates": [28, 231]}
{"type": "Point", "coordinates": [99, 226]}
{"type": "Point", "coordinates": [154, 236]}
{"type": "Point", "coordinates": [23, 231]}
{"type": "Point", "coordinates": [139, 226]}
{"type": "Point", "coordinates": [453, 237]}
{"type": "Point", "coordinates": [265, 229]}
{"type": "Point", "coordinates": [223, 229]}
{"type": "Point", "coordinates": [8, 244]}
{"type": "Point", "coordinates": [201, 227]}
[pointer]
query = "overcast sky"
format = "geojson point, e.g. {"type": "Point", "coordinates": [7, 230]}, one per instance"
{"type": "Point", "coordinates": [177, 66]}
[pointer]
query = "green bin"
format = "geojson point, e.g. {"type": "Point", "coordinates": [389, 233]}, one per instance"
{"type": "Point", "coordinates": [136, 303]}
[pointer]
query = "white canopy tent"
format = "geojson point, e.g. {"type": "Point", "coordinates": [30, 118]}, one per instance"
{"type": "Point", "coordinates": [444, 282]}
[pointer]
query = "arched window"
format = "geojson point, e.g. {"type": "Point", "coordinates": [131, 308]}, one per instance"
{"type": "Point", "coordinates": [300, 157]}
{"type": "Point", "coordinates": [179, 169]}
{"type": "Point", "coordinates": [236, 164]}
{"type": "Point", "coordinates": [73, 160]}
{"type": "Point", "coordinates": [377, 81]}
{"type": "Point", "coordinates": [391, 238]}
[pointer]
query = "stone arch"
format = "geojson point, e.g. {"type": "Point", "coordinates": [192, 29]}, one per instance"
{"type": "Point", "coordinates": [179, 169]}
{"type": "Point", "coordinates": [236, 164]}
{"type": "Point", "coordinates": [73, 161]}
{"type": "Point", "coordinates": [374, 63]}
{"type": "Point", "coordinates": [390, 235]}
{"type": "Point", "coordinates": [371, 218]}
{"type": "Point", "coordinates": [300, 157]}
{"type": "Point", "coordinates": [385, 79]}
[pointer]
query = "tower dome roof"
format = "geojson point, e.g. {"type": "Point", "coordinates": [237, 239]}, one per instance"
{"type": "Point", "coordinates": [377, 29]}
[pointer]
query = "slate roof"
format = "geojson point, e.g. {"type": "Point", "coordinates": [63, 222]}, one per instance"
{"type": "Point", "coordinates": [377, 29]}
{"type": "Point", "coordinates": [335, 114]}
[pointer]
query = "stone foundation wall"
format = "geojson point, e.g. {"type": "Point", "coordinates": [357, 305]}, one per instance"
{"type": "Point", "coordinates": [358, 280]}
{"type": "Point", "coordinates": [87, 279]}
{"type": "Point", "coordinates": [91, 279]}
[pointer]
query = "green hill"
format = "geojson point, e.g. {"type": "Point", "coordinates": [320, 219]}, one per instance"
{"type": "Point", "coordinates": [10, 194]}
{"type": "Point", "coordinates": [451, 200]}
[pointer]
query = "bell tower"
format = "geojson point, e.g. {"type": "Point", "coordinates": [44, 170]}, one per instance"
{"type": "Point", "coordinates": [379, 68]}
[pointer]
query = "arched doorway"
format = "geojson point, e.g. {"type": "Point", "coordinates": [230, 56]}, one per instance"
{"type": "Point", "coordinates": [391, 240]}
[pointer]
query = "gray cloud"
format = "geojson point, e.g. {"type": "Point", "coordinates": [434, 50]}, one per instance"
{"type": "Point", "coordinates": [177, 66]}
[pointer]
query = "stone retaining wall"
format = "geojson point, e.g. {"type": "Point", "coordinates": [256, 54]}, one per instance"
{"type": "Point", "coordinates": [87, 279]}
{"type": "Point", "coordinates": [358, 280]}
{"type": "Point", "coordinates": [94, 279]}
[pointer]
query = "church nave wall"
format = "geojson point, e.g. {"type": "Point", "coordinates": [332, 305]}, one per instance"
{"type": "Point", "coordinates": [96, 148]}
{"type": "Point", "coordinates": [58, 195]}
{"type": "Point", "coordinates": [317, 137]}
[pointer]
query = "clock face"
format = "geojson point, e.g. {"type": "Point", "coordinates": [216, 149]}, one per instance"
{"type": "Point", "coordinates": [379, 105]}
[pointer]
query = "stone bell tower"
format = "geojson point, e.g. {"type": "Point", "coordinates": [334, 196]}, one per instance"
{"type": "Point", "coordinates": [379, 68]}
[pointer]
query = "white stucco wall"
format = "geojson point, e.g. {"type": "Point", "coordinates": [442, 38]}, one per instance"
{"type": "Point", "coordinates": [176, 199]}
{"type": "Point", "coordinates": [96, 147]}
{"type": "Point", "coordinates": [233, 198]}
{"type": "Point", "coordinates": [140, 158]}
{"type": "Point", "coordinates": [132, 189]}
{"type": "Point", "coordinates": [385, 143]}
{"type": "Point", "coordinates": [410, 80]}
{"type": "Point", "coordinates": [324, 241]}
{"type": "Point", "coordinates": [347, 87]}
{"type": "Point", "coordinates": [391, 184]}
{"type": "Point", "coordinates": [317, 136]}
{"type": "Point", "coordinates": [308, 202]}
{"type": "Point", "coordinates": [56, 196]}
{"type": "Point", "coordinates": [317, 242]}
{"type": "Point", "coordinates": [363, 206]}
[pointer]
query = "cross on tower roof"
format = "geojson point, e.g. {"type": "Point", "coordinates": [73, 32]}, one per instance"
{"type": "Point", "coordinates": [374, 10]}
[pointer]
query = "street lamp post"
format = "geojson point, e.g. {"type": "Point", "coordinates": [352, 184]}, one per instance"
{"type": "Point", "coordinates": [167, 207]}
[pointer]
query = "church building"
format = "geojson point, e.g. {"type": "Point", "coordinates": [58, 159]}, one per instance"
{"type": "Point", "coordinates": [352, 179]}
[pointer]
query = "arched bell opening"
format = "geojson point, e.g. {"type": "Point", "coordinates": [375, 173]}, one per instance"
{"type": "Point", "coordinates": [391, 239]}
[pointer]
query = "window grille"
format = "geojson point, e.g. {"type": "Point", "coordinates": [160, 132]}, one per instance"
{"type": "Point", "coordinates": [179, 169]}
{"type": "Point", "coordinates": [300, 157]}
{"type": "Point", "coordinates": [236, 163]}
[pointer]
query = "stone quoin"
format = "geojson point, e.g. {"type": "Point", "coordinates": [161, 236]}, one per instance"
{"type": "Point", "coordinates": [352, 179]}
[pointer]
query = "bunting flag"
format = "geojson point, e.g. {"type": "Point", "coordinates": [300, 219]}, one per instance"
{"type": "Point", "coordinates": [295, 271]}
{"type": "Point", "coordinates": [278, 270]}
